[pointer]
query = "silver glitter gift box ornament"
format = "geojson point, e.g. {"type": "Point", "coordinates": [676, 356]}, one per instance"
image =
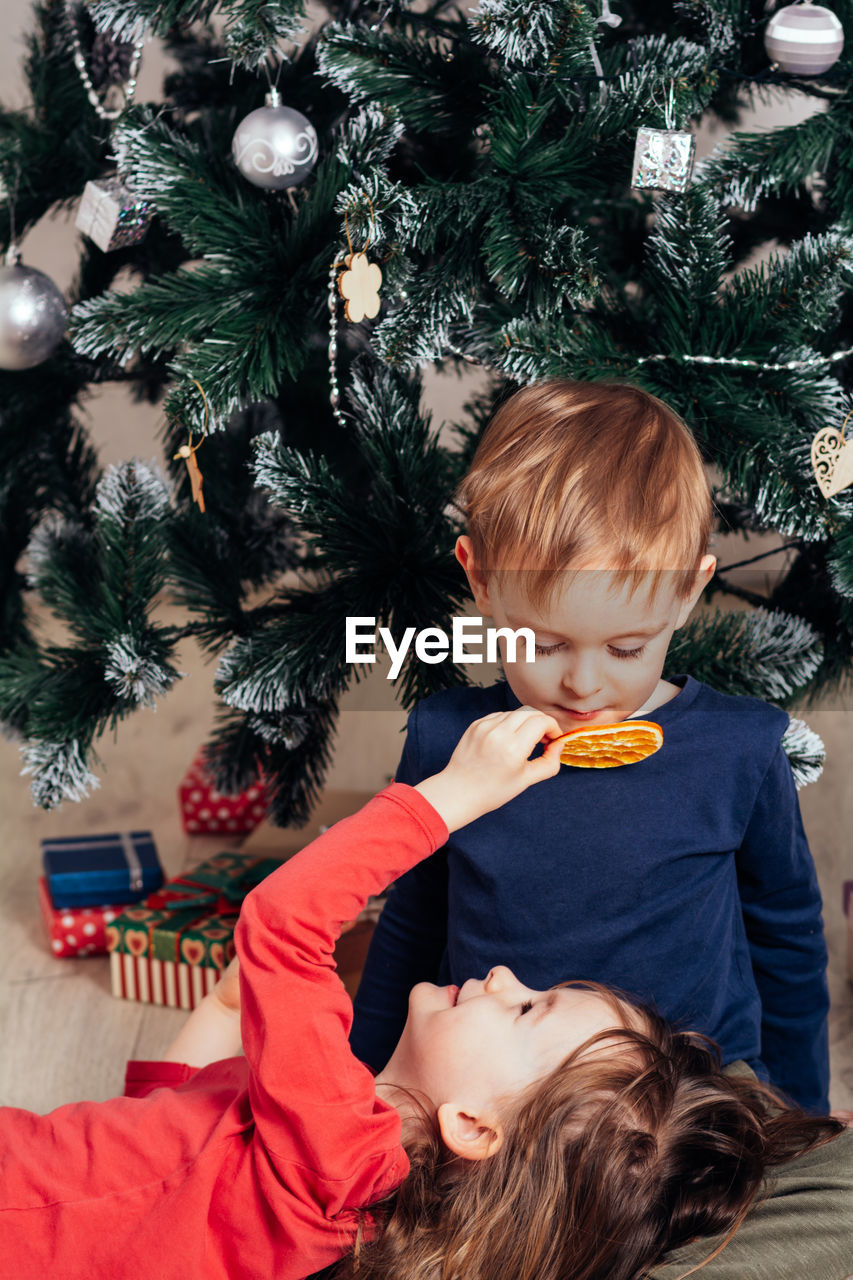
{"type": "Point", "coordinates": [112, 215]}
{"type": "Point", "coordinates": [663, 159]}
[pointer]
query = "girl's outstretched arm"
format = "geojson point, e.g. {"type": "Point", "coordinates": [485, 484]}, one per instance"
{"type": "Point", "coordinates": [489, 766]}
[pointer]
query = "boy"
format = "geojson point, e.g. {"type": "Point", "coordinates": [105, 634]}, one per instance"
{"type": "Point", "coordinates": [685, 879]}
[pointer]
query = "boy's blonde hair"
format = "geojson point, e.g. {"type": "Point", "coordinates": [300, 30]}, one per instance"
{"type": "Point", "coordinates": [577, 475]}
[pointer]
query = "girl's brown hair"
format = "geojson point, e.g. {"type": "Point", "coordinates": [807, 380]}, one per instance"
{"type": "Point", "coordinates": [572, 475]}
{"type": "Point", "coordinates": [607, 1164]}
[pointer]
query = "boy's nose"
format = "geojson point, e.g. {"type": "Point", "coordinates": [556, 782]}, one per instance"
{"type": "Point", "coordinates": [582, 677]}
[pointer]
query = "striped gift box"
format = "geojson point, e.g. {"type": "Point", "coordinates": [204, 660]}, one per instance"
{"type": "Point", "coordinates": [142, 978]}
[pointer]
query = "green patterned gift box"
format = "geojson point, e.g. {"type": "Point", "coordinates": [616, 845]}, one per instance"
{"type": "Point", "coordinates": [172, 950]}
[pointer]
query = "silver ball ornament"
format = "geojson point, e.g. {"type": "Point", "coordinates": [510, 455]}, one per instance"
{"type": "Point", "coordinates": [33, 315]}
{"type": "Point", "coordinates": [804, 39]}
{"type": "Point", "coordinates": [275, 147]}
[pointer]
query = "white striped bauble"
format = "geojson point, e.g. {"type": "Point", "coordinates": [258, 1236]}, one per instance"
{"type": "Point", "coordinates": [804, 39]}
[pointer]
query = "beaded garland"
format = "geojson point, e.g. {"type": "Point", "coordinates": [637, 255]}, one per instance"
{"type": "Point", "coordinates": [334, 388]}
{"type": "Point", "coordinates": [128, 88]}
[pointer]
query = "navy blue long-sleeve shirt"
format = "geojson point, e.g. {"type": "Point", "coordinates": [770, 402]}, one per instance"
{"type": "Point", "coordinates": [685, 879]}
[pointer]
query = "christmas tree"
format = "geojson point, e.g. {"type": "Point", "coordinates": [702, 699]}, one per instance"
{"type": "Point", "coordinates": [519, 173]}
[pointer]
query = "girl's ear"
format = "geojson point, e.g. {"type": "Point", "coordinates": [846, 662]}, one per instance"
{"type": "Point", "coordinates": [466, 1135]}
{"type": "Point", "coordinates": [704, 574]}
{"type": "Point", "coordinates": [464, 553]}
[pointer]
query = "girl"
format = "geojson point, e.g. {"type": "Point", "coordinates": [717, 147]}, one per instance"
{"type": "Point", "coordinates": [514, 1133]}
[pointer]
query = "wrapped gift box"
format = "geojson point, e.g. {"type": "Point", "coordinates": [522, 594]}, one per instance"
{"type": "Point", "coordinates": [173, 949]}
{"type": "Point", "coordinates": [86, 871]}
{"type": "Point", "coordinates": [76, 931]}
{"type": "Point", "coordinates": [112, 215]}
{"type": "Point", "coordinates": [206, 811]}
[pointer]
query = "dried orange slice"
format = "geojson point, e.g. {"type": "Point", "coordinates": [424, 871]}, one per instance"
{"type": "Point", "coordinates": [602, 746]}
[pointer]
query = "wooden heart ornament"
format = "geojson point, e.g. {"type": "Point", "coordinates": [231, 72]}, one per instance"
{"type": "Point", "coordinates": [603, 746]}
{"type": "Point", "coordinates": [359, 287]}
{"type": "Point", "coordinates": [832, 459]}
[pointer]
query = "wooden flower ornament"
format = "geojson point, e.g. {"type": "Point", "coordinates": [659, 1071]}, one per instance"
{"type": "Point", "coordinates": [359, 287]}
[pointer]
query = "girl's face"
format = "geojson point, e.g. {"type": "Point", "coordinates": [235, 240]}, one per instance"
{"type": "Point", "coordinates": [484, 1042]}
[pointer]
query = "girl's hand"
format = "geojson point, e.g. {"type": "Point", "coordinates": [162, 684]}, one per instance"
{"type": "Point", "coordinates": [491, 764]}
{"type": "Point", "coordinates": [227, 989]}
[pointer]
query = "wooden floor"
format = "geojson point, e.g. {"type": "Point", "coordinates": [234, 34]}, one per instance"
{"type": "Point", "coordinates": [64, 1036]}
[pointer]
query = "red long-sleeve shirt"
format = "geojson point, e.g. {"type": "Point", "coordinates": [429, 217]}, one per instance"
{"type": "Point", "coordinates": [252, 1167]}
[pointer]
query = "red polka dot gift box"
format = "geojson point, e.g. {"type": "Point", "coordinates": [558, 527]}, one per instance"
{"type": "Point", "coordinates": [206, 811]}
{"type": "Point", "coordinates": [76, 931]}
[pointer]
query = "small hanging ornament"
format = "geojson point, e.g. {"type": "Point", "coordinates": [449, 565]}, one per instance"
{"type": "Point", "coordinates": [187, 453]}
{"type": "Point", "coordinates": [33, 314]}
{"type": "Point", "coordinates": [359, 287]}
{"type": "Point", "coordinates": [112, 214]}
{"type": "Point", "coordinates": [607, 19]}
{"type": "Point", "coordinates": [663, 158]}
{"type": "Point", "coordinates": [832, 459]}
{"type": "Point", "coordinates": [359, 283]}
{"type": "Point", "coordinates": [275, 147]}
{"type": "Point", "coordinates": [804, 39]}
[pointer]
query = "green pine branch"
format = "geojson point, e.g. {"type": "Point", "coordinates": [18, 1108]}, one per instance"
{"type": "Point", "coordinates": [421, 79]}
{"type": "Point", "coordinates": [755, 653]}
{"type": "Point", "coordinates": [252, 27]}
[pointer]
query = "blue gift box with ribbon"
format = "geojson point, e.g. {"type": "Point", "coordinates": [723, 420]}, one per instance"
{"type": "Point", "coordinates": [88, 871]}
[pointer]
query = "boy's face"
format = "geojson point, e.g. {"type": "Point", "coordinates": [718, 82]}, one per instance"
{"type": "Point", "coordinates": [600, 649]}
